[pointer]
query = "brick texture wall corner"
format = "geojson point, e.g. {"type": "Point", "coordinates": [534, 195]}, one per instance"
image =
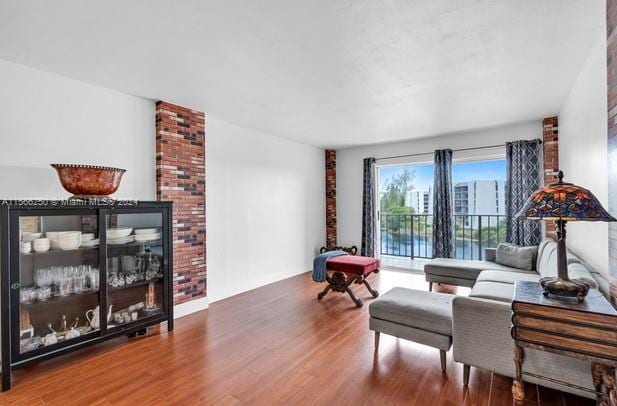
{"type": "Point", "coordinates": [181, 178]}
{"type": "Point", "coordinates": [550, 142]}
{"type": "Point", "coordinates": [611, 80]}
{"type": "Point", "coordinates": [330, 198]}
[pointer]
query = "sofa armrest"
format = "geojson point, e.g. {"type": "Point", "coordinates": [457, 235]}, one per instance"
{"type": "Point", "coordinates": [490, 254]}
{"type": "Point", "coordinates": [481, 334]}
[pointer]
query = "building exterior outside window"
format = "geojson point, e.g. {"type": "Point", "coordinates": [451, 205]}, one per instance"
{"type": "Point", "coordinates": [486, 197]}
{"type": "Point", "coordinates": [420, 200]}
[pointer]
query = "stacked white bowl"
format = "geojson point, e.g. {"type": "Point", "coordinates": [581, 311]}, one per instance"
{"type": "Point", "coordinates": [25, 247]}
{"type": "Point", "coordinates": [147, 234]}
{"type": "Point", "coordinates": [87, 237]}
{"type": "Point", "coordinates": [53, 239]}
{"type": "Point", "coordinates": [120, 235]}
{"type": "Point", "coordinates": [88, 240]}
{"type": "Point", "coordinates": [41, 244]}
{"type": "Point", "coordinates": [69, 240]}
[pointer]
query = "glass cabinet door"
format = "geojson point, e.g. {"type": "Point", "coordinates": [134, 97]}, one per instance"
{"type": "Point", "coordinates": [135, 267]}
{"type": "Point", "coordinates": [57, 279]}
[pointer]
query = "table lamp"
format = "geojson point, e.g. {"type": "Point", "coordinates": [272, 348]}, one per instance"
{"type": "Point", "coordinates": [563, 202]}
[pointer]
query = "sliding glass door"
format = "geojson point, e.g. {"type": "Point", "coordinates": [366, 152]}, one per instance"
{"type": "Point", "coordinates": [405, 210]}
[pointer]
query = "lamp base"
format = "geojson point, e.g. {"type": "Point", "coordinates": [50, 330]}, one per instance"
{"type": "Point", "coordinates": [565, 287]}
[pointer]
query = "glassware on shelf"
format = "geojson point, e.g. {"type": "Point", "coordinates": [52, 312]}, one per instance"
{"type": "Point", "coordinates": [27, 295]}
{"type": "Point", "coordinates": [92, 276]}
{"type": "Point", "coordinates": [64, 287]}
{"type": "Point", "coordinates": [43, 294]}
{"type": "Point", "coordinates": [67, 280]}
{"type": "Point", "coordinates": [43, 277]}
{"type": "Point", "coordinates": [79, 281]}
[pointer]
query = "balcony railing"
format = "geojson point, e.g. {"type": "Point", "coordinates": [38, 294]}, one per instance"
{"type": "Point", "coordinates": [410, 235]}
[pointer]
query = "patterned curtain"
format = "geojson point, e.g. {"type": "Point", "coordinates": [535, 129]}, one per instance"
{"type": "Point", "coordinates": [523, 178]}
{"type": "Point", "coordinates": [443, 235]}
{"type": "Point", "coordinates": [369, 225]}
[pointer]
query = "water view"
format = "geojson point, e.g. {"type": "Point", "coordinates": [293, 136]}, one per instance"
{"type": "Point", "coordinates": [421, 246]}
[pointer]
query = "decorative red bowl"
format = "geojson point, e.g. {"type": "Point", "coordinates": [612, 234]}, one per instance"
{"type": "Point", "coordinates": [88, 180]}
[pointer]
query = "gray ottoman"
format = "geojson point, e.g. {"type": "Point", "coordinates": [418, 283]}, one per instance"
{"type": "Point", "coordinates": [415, 315]}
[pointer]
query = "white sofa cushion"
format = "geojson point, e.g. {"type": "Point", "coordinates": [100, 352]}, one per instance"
{"type": "Point", "coordinates": [464, 268]}
{"type": "Point", "coordinates": [501, 292]}
{"type": "Point", "coordinates": [507, 277]}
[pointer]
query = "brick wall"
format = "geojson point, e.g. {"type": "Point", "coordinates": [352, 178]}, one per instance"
{"type": "Point", "coordinates": [330, 198]}
{"type": "Point", "coordinates": [181, 178]}
{"type": "Point", "coordinates": [611, 65]}
{"type": "Point", "coordinates": [551, 159]}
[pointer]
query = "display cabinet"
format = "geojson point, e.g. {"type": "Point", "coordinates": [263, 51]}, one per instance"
{"type": "Point", "coordinates": [75, 273]}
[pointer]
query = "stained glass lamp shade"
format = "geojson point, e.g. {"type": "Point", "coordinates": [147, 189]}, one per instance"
{"type": "Point", "coordinates": [562, 202]}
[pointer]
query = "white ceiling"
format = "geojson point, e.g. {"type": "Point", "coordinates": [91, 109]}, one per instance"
{"type": "Point", "coordinates": [324, 72]}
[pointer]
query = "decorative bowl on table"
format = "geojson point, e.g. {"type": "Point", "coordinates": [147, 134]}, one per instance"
{"type": "Point", "coordinates": [86, 181]}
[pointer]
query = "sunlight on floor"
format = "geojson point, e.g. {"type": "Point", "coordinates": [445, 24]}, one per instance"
{"type": "Point", "coordinates": [415, 265]}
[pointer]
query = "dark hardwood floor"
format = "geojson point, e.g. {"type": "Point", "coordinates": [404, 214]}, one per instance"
{"type": "Point", "coordinates": [273, 345]}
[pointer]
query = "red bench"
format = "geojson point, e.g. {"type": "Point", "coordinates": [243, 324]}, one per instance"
{"type": "Point", "coordinates": [348, 269]}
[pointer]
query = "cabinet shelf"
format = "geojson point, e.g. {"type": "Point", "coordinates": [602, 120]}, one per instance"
{"type": "Point", "coordinates": [54, 300]}
{"type": "Point", "coordinates": [136, 284]}
{"type": "Point", "coordinates": [57, 252]}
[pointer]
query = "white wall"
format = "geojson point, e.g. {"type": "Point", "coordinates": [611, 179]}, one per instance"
{"type": "Point", "coordinates": [48, 118]}
{"type": "Point", "coordinates": [349, 165]}
{"type": "Point", "coordinates": [583, 152]}
{"type": "Point", "coordinates": [265, 208]}
{"type": "Point", "coordinates": [265, 195]}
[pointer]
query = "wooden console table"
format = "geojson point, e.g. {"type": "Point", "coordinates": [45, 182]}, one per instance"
{"type": "Point", "coordinates": [586, 331]}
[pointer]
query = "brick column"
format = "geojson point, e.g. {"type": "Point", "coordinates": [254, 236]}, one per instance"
{"type": "Point", "coordinates": [181, 178]}
{"type": "Point", "coordinates": [551, 159]}
{"type": "Point", "coordinates": [330, 198]}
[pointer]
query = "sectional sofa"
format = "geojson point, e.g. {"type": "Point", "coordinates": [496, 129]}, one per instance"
{"type": "Point", "coordinates": [481, 322]}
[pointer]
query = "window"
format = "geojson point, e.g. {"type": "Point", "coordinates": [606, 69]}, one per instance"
{"type": "Point", "coordinates": [406, 208]}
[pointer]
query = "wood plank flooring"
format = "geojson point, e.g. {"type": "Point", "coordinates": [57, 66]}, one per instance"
{"type": "Point", "coordinates": [273, 345]}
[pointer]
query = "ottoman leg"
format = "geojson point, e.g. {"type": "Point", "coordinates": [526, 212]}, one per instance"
{"type": "Point", "coordinates": [442, 356]}
{"type": "Point", "coordinates": [376, 342]}
{"type": "Point", "coordinates": [466, 369]}
{"type": "Point", "coordinates": [430, 286]}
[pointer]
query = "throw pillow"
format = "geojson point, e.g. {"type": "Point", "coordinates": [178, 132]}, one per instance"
{"type": "Point", "coordinates": [516, 257]}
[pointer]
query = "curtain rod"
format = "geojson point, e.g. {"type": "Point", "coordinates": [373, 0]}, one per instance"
{"type": "Point", "coordinates": [454, 150]}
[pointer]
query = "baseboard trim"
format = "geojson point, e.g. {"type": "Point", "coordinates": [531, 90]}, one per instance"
{"type": "Point", "coordinates": [193, 306]}
{"type": "Point", "coordinates": [247, 286]}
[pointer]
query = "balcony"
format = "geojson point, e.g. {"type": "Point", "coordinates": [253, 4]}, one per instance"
{"type": "Point", "coordinates": [410, 235]}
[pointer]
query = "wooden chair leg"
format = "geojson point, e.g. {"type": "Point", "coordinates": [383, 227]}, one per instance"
{"type": "Point", "coordinates": [372, 291]}
{"type": "Point", "coordinates": [355, 299]}
{"type": "Point", "coordinates": [466, 369]}
{"type": "Point", "coordinates": [430, 286]}
{"type": "Point", "coordinates": [442, 355]}
{"type": "Point", "coordinates": [376, 342]}
{"type": "Point", "coordinates": [324, 292]}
